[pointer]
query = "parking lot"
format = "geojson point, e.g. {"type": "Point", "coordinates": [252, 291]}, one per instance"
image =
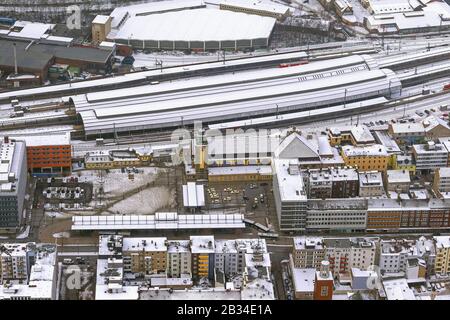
{"type": "Point", "coordinates": [61, 193]}
{"type": "Point", "coordinates": [254, 200]}
{"type": "Point", "coordinates": [77, 278]}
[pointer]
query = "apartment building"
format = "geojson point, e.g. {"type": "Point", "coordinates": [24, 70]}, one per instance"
{"type": "Point", "coordinates": [442, 262]}
{"type": "Point", "coordinates": [346, 253]}
{"type": "Point", "coordinates": [13, 181]}
{"type": "Point", "coordinates": [16, 260]}
{"type": "Point", "coordinates": [394, 255]}
{"type": "Point", "coordinates": [371, 184]}
{"type": "Point", "coordinates": [179, 259]}
{"type": "Point", "coordinates": [397, 181]}
{"type": "Point", "coordinates": [202, 250]}
{"type": "Point", "coordinates": [430, 156]}
{"type": "Point", "coordinates": [147, 256]}
{"type": "Point", "coordinates": [358, 135]}
{"type": "Point", "coordinates": [435, 127]}
{"type": "Point", "coordinates": [231, 256]}
{"type": "Point", "coordinates": [290, 195]}
{"type": "Point", "coordinates": [404, 162]}
{"type": "Point", "coordinates": [331, 183]}
{"type": "Point", "coordinates": [408, 256]}
{"type": "Point", "coordinates": [29, 273]}
{"type": "Point", "coordinates": [407, 133]}
{"type": "Point", "coordinates": [308, 252]}
{"type": "Point", "coordinates": [366, 158]}
{"type": "Point", "coordinates": [441, 182]}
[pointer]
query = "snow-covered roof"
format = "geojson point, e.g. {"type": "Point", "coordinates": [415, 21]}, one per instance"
{"type": "Point", "coordinates": [398, 128]}
{"type": "Point", "coordinates": [32, 30]}
{"type": "Point", "coordinates": [259, 5]}
{"type": "Point", "coordinates": [14, 249]}
{"type": "Point", "coordinates": [153, 222]}
{"type": "Point", "coordinates": [144, 244]}
{"type": "Point", "coordinates": [101, 19]}
{"type": "Point", "coordinates": [398, 289]}
{"type": "Point", "coordinates": [429, 16]}
{"type": "Point", "coordinates": [193, 195]}
{"type": "Point", "coordinates": [202, 244]}
{"type": "Point", "coordinates": [312, 243]}
{"type": "Point", "coordinates": [232, 170]}
{"type": "Point", "coordinates": [66, 40]}
{"type": "Point", "coordinates": [193, 294]}
{"type": "Point", "coordinates": [422, 149]}
{"type": "Point", "coordinates": [196, 25]}
{"type": "Point", "coordinates": [376, 150]}
{"type": "Point", "coordinates": [387, 6]}
{"type": "Point", "coordinates": [296, 146]}
{"type": "Point", "coordinates": [333, 174]}
{"type": "Point", "coordinates": [178, 246]}
{"type": "Point", "coordinates": [54, 139]}
{"type": "Point", "coordinates": [383, 138]}
{"type": "Point", "coordinates": [304, 279]}
{"type": "Point", "coordinates": [290, 185]}
{"type": "Point", "coordinates": [41, 280]}
{"type": "Point", "coordinates": [432, 122]}
{"type": "Point", "coordinates": [444, 172]}
{"type": "Point", "coordinates": [442, 242]}
{"type": "Point", "coordinates": [398, 176]}
{"type": "Point", "coordinates": [359, 273]}
{"type": "Point", "coordinates": [362, 134]}
{"type": "Point", "coordinates": [325, 148]}
{"type": "Point", "coordinates": [258, 289]}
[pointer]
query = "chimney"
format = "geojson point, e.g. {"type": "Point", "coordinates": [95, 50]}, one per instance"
{"type": "Point", "coordinates": [324, 268]}
{"type": "Point", "coordinates": [6, 139]}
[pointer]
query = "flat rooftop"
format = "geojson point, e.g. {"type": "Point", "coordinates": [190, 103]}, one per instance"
{"type": "Point", "coordinates": [55, 139]}
{"type": "Point", "coordinates": [202, 244]}
{"type": "Point", "coordinates": [302, 243]}
{"type": "Point", "coordinates": [398, 176]}
{"type": "Point", "coordinates": [231, 170]}
{"type": "Point", "coordinates": [376, 150]}
{"type": "Point", "coordinates": [147, 244]}
{"type": "Point", "coordinates": [196, 25]}
{"type": "Point", "coordinates": [290, 185]}
{"type": "Point", "coordinates": [167, 221]}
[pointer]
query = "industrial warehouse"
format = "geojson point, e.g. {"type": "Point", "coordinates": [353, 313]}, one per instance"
{"type": "Point", "coordinates": [191, 25]}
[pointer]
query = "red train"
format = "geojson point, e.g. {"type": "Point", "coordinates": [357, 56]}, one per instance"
{"type": "Point", "coordinates": [285, 65]}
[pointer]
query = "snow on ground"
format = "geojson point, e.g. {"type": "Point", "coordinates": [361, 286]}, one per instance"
{"type": "Point", "coordinates": [147, 201]}
{"type": "Point", "coordinates": [178, 58]}
{"type": "Point", "coordinates": [359, 12]}
{"type": "Point", "coordinates": [115, 182]}
{"type": "Point", "coordinates": [61, 235]}
{"type": "Point", "coordinates": [56, 214]}
{"type": "Point", "coordinates": [49, 129]}
{"type": "Point", "coordinates": [24, 234]}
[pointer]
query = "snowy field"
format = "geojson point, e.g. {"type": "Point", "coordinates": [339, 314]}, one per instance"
{"type": "Point", "coordinates": [147, 201]}
{"type": "Point", "coordinates": [115, 183]}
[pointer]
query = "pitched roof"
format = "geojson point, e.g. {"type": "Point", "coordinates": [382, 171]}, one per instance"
{"type": "Point", "coordinates": [294, 146]}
